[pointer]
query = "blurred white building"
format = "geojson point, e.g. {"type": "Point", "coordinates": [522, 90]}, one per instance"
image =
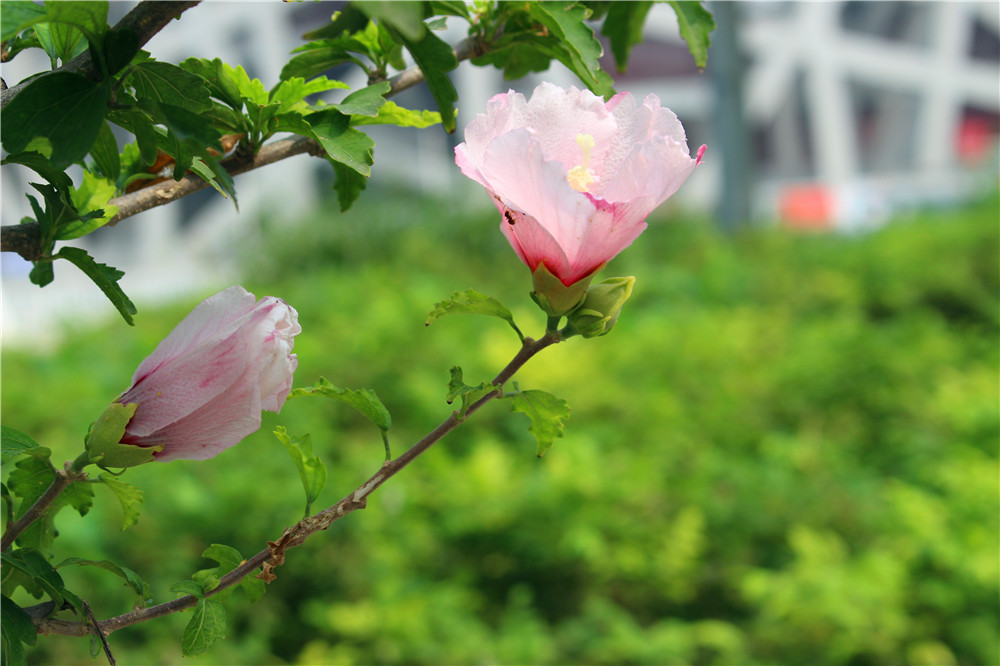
{"type": "Point", "coordinates": [820, 114]}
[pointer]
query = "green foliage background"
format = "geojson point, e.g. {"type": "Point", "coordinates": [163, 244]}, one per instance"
{"type": "Point", "coordinates": [785, 453]}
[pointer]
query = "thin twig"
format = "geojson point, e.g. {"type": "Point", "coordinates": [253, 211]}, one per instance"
{"type": "Point", "coordinates": [64, 477]}
{"type": "Point", "coordinates": [274, 554]}
{"type": "Point", "coordinates": [25, 239]}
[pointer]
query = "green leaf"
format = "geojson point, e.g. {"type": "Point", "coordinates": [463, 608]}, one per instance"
{"type": "Point", "coordinates": [469, 394]}
{"type": "Point", "coordinates": [318, 57]}
{"type": "Point", "coordinates": [131, 578]}
{"type": "Point", "coordinates": [290, 93]}
{"type": "Point", "coordinates": [696, 24]}
{"type": "Point", "coordinates": [78, 495]}
{"type": "Point", "coordinates": [169, 84]}
{"type": "Point", "coordinates": [406, 17]}
{"type": "Point", "coordinates": [207, 624]}
{"type": "Point", "coordinates": [91, 198]}
{"type": "Point", "coordinates": [16, 15]}
{"type": "Point", "coordinates": [348, 20]}
{"type": "Point", "coordinates": [547, 413]}
{"type": "Point", "coordinates": [104, 276]}
{"type": "Point", "coordinates": [16, 628]}
{"type": "Point", "coordinates": [65, 108]}
{"type": "Point", "coordinates": [471, 301]}
{"type": "Point", "coordinates": [61, 41]}
{"type": "Point", "coordinates": [105, 153]}
{"type": "Point", "coordinates": [623, 27]}
{"type": "Point", "coordinates": [342, 143]}
{"type": "Point", "coordinates": [449, 8]}
{"type": "Point", "coordinates": [312, 472]}
{"type": "Point", "coordinates": [435, 59]}
{"type": "Point", "coordinates": [229, 558]}
{"type": "Point", "coordinates": [574, 43]}
{"type": "Point", "coordinates": [184, 125]}
{"type": "Point", "coordinates": [128, 496]}
{"type": "Point", "coordinates": [29, 479]}
{"type": "Point", "coordinates": [41, 576]}
{"type": "Point", "coordinates": [90, 17]}
{"type": "Point", "coordinates": [14, 443]}
{"type": "Point", "coordinates": [348, 184]}
{"type": "Point", "coordinates": [120, 48]}
{"type": "Point", "coordinates": [219, 77]}
{"type": "Point", "coordinates": [188, 587]}
{"type": "Point", "coordinates": [366, 101]}
{"type": "Point", "coordinates": [363, 400]}
{"type": "Point", "coordinates": [391, 113]}
{"type": "Point", "coordinates": [43, 167]}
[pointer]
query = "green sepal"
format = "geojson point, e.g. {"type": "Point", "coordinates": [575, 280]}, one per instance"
{"type": "Point", "coordinates": [104, 445]}
{"type": "Point", "coordinates": [554, 297]}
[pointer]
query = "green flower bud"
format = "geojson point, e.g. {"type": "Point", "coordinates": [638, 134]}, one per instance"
{"type": "Point", "coordinates": [554, 297]}
{"type": "Point", "coordinates": [601, 306]}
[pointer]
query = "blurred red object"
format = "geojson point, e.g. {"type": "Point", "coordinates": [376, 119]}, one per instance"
{"type": "Point", "coordinates": [806, 207]}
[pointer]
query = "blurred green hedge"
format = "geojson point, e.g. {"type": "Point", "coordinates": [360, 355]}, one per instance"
{"type": "Point", "coordinates": [785, 453]}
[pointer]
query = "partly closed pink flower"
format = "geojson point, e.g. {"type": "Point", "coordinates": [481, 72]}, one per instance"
{"type": "Point", "coordinates": [573, 176]}
{"type": "Point", "coordinates": [202, 389]}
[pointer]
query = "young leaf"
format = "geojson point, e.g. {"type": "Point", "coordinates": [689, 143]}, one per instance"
{"type": "Point", "coordinates": [391, 113]}
{"type": "Point", "coordinates": [469, 394]}
{"type": "Point", "coordinates": [363, 400]}
{"type": "Point", "coordinates": [104, 276]}
{"type": "Point", "coordinates": [131, 578]}
{"type": "Point", "coordinates": [547, 414]}
{"type": "Point", "coordinates": [128, 496]}
{"type": "Point", "coordinates": [14, 443]}
{"type": "Point", "coordinates": [312, 472]}
{"type": "Point", "coordinates": [91, 198]}
{"type": "Point", "coordinates": [60, 41]}
{"type": "Point", "coordinates": [290, 93]}
{"type": "Point", "coordinates": [623, 27]}
{"type": "Point", "coordinates": [65, 108]}
{"type": "Point", "coordinates": [472, 302]}
{"type": "Point", "coordinates": [696, 23]}
{"type": "Point", "coordinates": [207, 624]}
{"type": "Point", "coordinates": [435, 59]}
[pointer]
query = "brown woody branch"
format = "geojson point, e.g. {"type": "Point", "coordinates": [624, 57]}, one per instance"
{"type": "Point", "coordinates": [274, 555]}
{"type": "Point", "coordinates": [25, 239]}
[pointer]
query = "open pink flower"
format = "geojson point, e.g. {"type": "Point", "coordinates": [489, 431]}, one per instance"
{"type": "Point", "coordinates": [202, 389]}
{"type": "Point", "coordinates": [573, 176]}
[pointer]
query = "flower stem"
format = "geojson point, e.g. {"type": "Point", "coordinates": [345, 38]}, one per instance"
{"type": "Point", "coordinates": [274, 554]}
